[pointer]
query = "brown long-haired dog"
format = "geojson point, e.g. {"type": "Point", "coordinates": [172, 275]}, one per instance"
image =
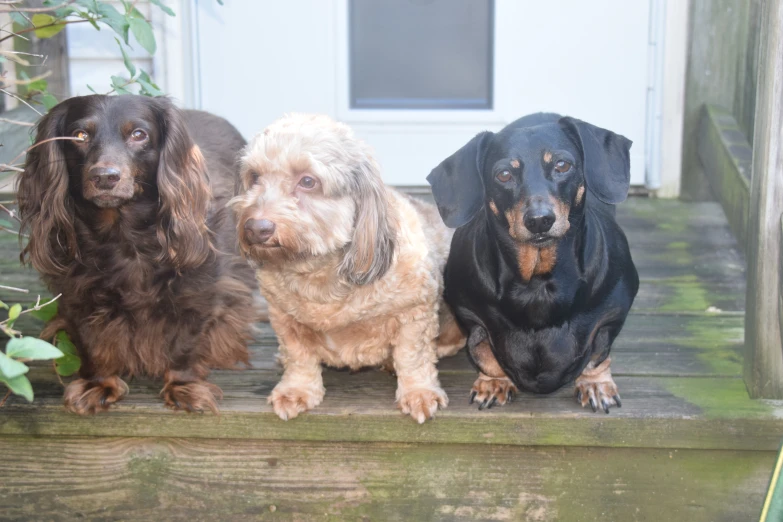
{"type": "Point", "coordinates": [352, 269]}
{"type": "Point", "coordinates": [127, 222]}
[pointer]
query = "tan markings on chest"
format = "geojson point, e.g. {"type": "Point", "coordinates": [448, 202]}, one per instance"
{"type": "Point", "coordinates": [536, 261]}
{"type": "Point", "coordinates": [107, 218]}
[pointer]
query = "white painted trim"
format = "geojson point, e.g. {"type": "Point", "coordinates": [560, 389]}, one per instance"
{"type": "Point", "coordinates": [173, 61]}
{"type": "Point", "coordinates": [655, 58]}
{"type": "Point", "coordinates": [343, 102]}
{"type": "Point", "coordinates": [674, 70]}
{"type": "Point", "coordinates": [8, 66]}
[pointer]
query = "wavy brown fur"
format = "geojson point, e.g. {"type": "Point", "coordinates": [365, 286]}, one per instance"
{"type": "Point", "coordinates": [151, 282]}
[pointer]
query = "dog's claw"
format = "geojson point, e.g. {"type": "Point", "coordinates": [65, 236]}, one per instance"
{"type": "Point", "coordinates": [492, 402]}
{"type": "Point", "coordinates": [605, 406]}
{"type": "Point", "coordinates": [579, 395]}
{"type": "Point", "coordinates": [473, 397]}
{"type": "Point", "coordinates": [592, 405]}
{"type": "Point", "coordinates": [617, 401]}
{"type": "Point", "coordinates": [509, 396]}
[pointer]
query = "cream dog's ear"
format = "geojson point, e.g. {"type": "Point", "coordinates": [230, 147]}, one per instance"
{"type": "Point", "coordinates": [371, 250]}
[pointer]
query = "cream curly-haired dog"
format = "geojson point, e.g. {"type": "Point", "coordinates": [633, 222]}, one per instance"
{"type": "Point", "coordinates": [352, 269]}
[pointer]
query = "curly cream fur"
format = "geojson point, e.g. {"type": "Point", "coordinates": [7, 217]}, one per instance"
{"type": "Point", "coordinates": [357, 278]}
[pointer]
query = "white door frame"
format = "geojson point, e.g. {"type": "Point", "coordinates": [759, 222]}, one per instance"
{"type": "Point", "coordinates": [178, 62]}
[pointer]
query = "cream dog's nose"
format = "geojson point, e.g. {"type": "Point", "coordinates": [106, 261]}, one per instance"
{"type": "Point", "coordinates": [258, 231]}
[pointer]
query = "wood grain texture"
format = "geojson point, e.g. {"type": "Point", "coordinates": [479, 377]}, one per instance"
{"type": "Point", "coordinates": [764, 349]}
{"type": "Point", "coordinates": [190, 479]}
{"type": "Point", "coordinates": [671, 412]}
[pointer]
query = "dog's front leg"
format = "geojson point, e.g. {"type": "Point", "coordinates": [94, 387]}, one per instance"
{"type": "Point", "coordinates": [302, 385]}
{"type": "Point", "coordinates": [414, 353]}
{"type": "Point", "coordinates": [596, 387]}
{"type": "Point", "coordinates": [493, 385]}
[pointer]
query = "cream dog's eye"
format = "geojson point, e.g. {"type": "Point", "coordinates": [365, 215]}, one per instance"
{"type": "Point", "coordinates": [308, 182]}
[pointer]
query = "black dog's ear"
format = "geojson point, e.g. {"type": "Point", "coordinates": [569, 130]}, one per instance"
{"type": "Point", "coordinates": [606, 160]}
{"type": "Point", "coordinates": [457, 185]}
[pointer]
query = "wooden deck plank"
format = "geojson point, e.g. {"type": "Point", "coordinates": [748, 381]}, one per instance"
{"type": "Point", "coordinates": [710, 413]}
{"type": "Point", "coordinates": [188, 480]}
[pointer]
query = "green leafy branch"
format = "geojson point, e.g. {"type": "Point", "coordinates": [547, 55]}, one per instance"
{"type": "Point", "coordinates": [21, 349]}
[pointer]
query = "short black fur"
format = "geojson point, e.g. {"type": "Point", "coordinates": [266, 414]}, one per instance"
{"type": "Point", "coordinates": [546, 323]}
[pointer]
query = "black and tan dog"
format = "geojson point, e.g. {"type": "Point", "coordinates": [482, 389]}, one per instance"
{"type": "Point", "coordinates": [539, 275]}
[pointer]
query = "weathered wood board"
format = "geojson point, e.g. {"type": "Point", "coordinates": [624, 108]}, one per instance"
{"type": "Point", "coordinates": [191, 479]}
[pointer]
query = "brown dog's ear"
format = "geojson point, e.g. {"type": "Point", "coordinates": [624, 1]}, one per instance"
{"type": "Point", "coordinates": [457, 184]}
{"type": "Point", "coordinates": [605, 159]}
{"type": "Point", "coordinates": [45, 205]}
{"type": "Point", "coordinates": [371, 250]}
{"type": "Point", "coordinates": [183, 188]}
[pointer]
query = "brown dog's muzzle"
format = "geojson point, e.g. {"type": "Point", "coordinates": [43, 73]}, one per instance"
{"type": "Point", "coordinates": [104, 178]}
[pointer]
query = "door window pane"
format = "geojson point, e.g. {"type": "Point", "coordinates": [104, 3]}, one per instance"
{"type": "Point", "coordinates": [421, 54]}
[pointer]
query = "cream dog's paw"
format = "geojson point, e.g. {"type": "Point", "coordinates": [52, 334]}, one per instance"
{"type": "Point", "coordinates": [289, 401]}
{"type": "Point", "coordinates": [422, 403]}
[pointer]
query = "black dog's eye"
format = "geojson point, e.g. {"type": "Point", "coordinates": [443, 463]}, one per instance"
{"type": "Point", "coordinates": [82, 135]}
{"type": "Point", "coordinates": [562, 166]}
{"type": "Point", "coordinates": [504, 176]}
{"type": "Point", "coordinates": [308, 182]}
{"type": "Point", "coordinates": [138, 135]}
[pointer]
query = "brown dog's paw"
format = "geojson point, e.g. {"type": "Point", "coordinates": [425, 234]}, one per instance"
{"type": "Point", "coordinates": [489, 391]}
{"type": "Point", "coordinates": [195, 396]}
{"type": "Point", "coordinates": [597, 388]}
{"type": "Point", "coordinates": [422, 403]}
{"type": "Point", "coordinates": [288, 402]}
{"type": "Point", "coordinates": [86, 397]}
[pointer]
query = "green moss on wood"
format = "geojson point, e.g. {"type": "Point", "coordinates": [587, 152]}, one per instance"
{"type": "Point", "coordinates": [719, 398]}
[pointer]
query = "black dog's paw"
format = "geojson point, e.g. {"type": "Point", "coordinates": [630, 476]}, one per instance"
{"type": "Point", "coordinates": [597, 388]}
{"type": "Point", "coordinates": [489, 391]}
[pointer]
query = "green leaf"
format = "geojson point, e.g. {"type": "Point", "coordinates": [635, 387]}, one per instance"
{"type": "Point", "coordinates": [46, 312]}
{"type": "Point", "coordinates": [91, 89]}
{"type": "Point", "coordinates": [10, 368]}
{"type": "Point", "coordinates": [142, 30]}
{"type": "Point", "coordinates": [128, 64]}
{"type": "Point", "coordinates": [148, 88]}
{"type": "Point", "coordinates": [111, 17]}
{"type": "Point", "coordinates": [92, 5]}
{"type": "Point", "coordinates": [64, 343]}
{"type": "Point", "coordinates": [31, 348]}
{"type": "Point", "coordinates": [37, 85]}
{"type": "Point", "coordinates": [163, 7]}
{"type": "Point", "coordinates": [13, 313]}
{"type": "Point", "coordinates": [3, 305]}
{"type": "Point", "coordinates": [48, 101]}
{"type": "Point", "coordinates": [20, 21]}
{"type": "Point", "coordinates": [119, 85]}
{"type": "Point", "coordinates": [67, 365]}
{"type": "Point", "coordinates": [220, 2]}
{"type": "Point", "coordinates": [48, 24]}
{"type": "Point", "coordinates": [20, 385]}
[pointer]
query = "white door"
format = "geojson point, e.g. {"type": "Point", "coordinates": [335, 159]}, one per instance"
{"type": "Point", "coordinates": [418, 78]}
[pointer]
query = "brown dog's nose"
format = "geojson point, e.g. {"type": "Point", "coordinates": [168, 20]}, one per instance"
{"type": "Point", "coordinates": [258, 231]}
{"type": "Point", "coordinates": [104, 178]}
{"type": "Point", "coordinates": [539, 220]}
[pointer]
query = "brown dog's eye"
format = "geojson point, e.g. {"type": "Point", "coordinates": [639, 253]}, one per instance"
{"type": "Point", "coordinates": [562, 166]}
{"type": "Point", "coordinates": [308, 182]}
{"type": "Point", "coordinates": [254, 176]}
{"type": "Point", "coordinates": [504, 176]}
{"type": "Point", "coordinates": [82, 135]}
{"type": "Point", "coordinates": [138, 135]}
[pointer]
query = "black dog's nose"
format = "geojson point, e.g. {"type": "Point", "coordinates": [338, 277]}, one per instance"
{"type": "Point", "coordinates": [539, 221]}
{"type": "Point", "coordinates": [258, 231]}
{"type": "Point", "coordinates": [104, 178]}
